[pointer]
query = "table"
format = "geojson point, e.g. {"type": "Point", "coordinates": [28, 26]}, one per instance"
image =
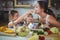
{"type": "Point", "coordinates": [13, 38]}
{"type": "Point", "coordinates": [2, 37]}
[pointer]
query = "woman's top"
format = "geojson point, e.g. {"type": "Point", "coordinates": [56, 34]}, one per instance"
{"type": "Point", "coordinates": [46, 22]}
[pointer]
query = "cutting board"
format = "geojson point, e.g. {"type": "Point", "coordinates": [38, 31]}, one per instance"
{"type": "Point", "coordinates": [6, 34]}
{"type": "Point", "coordinates": [52, 37]}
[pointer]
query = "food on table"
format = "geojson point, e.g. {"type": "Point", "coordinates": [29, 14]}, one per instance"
{"type": "Point", "coordinates": [41, 37]}
{"type": "Point", "coordinates": [49, 32]}
{"type": "Point", "coordinates": [9, 31]}
{"type": "Point", "coordinates": [42, 26]}
{"type": "Point", "coordinates": [2, 28]}
{"type": "Point", "coordinates": [23, 31]}
{"type": "Point", "coordinates": [46, 29]}
{"type": "Point", "coordinates": [45, 33]}
{"type": "Point", "coordinates": [41, 31]}
{"type": "Point", "coordinates": [34, 34]}
{"type": "Point", "coordinates": [6, 30]}
{"type": "Point", "coordinates": [54, 30]}
{"type": "Point", "coordinates": [35, 31]}
{"type": "Point", "coordinates": [35, 37]}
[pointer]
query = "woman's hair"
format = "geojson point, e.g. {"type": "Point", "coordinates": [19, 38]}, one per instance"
{"type": "Point", "coordinates": [44, 5]}
{"type": "Point", "coordinates": [13, 12]}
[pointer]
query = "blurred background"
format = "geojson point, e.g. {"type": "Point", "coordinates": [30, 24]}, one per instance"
{"type": "Point", "coordinates": [22, 6]}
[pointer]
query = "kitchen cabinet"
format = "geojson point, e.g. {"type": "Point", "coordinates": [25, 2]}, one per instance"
{"type": "Point", "coordinates": [6, 4]}
{"type": "Point", "coordinates": [58, 17]}
{"type": "Point", "coordinates": [4, 18]}
{"type": "Point", "coordinates": [55, 3]}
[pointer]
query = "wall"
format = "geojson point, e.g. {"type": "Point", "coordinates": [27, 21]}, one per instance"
{"type": "Point", "coordinates": [23, 10]}
{"type": "Point", "coordinates": [56, 11]}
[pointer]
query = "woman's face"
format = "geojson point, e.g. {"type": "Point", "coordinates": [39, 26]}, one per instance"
{"type": "Point", "coordinates": [37, 8]}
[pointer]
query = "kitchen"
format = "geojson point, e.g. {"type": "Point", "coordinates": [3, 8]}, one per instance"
{"type": "Point", "coordinates": [22, 6]}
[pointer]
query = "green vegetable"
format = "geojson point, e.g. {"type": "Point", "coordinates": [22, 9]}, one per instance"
{"type": "Point", "coordinates": [35, 37]}
{"type": "Point", "coordinates": [45, 33]}
{"type": "Point", "coordinates": [40, 32]}
{"type": "Point", "coordinates": [42, 26]}
{"type": "Point", "coordinates": [54, 30]}
{"type": "Point", "coordinates": [22, 31]}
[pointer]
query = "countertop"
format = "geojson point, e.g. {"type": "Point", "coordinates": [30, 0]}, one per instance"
{"type": "Point", "coordinates": [12, 38]}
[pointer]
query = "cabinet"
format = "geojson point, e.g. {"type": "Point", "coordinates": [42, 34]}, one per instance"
{"type": "Point", "coordinates": [4, 18]}
{"type": "Point", "coordinates": [6, 4]}
{"type": "Point", "coordinates": [55, 3]}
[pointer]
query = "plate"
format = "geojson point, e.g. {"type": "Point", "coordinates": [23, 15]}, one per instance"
{"type": "Point", "coordinates": [6, 34]}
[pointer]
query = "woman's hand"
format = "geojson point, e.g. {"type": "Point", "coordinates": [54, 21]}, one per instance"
{"type": "Point", "coordinates": [46, 26]}
{"type": "Point", "coordinates": [42, 20]}
{"type": "Point", "coordinates": [29, 12]}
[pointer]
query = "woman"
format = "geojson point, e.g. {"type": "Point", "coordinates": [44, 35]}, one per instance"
{"type": "Point", "coordinates": [46, 15]}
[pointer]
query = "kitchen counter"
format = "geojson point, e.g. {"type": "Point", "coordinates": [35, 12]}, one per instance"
{"type": "Point", "coordinates": [4, 36]}
{"type": "Point", "coordinates": [12, 38]}
{"type": "Point", "coordinates": [50, 37]}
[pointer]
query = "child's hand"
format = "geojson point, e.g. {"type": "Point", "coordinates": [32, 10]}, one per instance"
{"type": "Point", "coordinates": [9, 24]}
